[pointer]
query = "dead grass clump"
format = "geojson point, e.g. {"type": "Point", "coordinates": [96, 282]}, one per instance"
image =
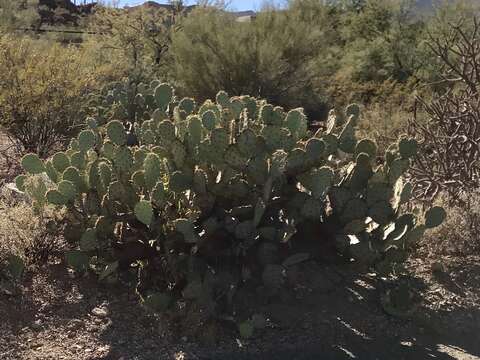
{"type": "Point", "coordinates": [23, 233]}
{"type": "Point", "coordinates": [460, 233]}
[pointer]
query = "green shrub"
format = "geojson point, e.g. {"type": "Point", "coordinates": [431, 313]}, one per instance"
{"type": "Point", "coordinates": [271, 57]}
{"type": "Point", "coordinates": [220, 192]}
{"type": "Point", "coordinates": [41, 91]}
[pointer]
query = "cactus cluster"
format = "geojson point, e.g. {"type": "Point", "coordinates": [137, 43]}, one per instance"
{"type": "Point", "coordinates": [227, 183]}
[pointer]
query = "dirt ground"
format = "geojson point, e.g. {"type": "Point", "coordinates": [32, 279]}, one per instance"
{"type": "Point", "coordinates": [335, 315]}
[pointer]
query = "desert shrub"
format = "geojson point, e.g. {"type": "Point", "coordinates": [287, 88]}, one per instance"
{"type": "Point", "coordinates": [24, 233]}
{"type": "Point", "coordinates": [140, 37]}
{"type": "Point", "coordinates": [271, 57]}
{"type": "Point", "coordinates": [447, 161]}
{"type": "Point", "coordinates": [225, 196]}
{"type": "Point", "coordinates": [459, 234]}
{"type": "Point", "coordinates": [41, 91]}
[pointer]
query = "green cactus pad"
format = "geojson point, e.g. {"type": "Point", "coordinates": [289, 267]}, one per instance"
{"type": "Point", "coordinates": [237, 106]}
{"type": "Point", "coordinates": [257, 170]}
{"type": "Point", "coordinates": [234, 157]}
{"type": "Point", "coordinates": [355, 209]}
{"type": "Point", "coordinates": [123, 159]}
{"type": "Point", "coordinates": [296, 122]}
{"type": "Point", "coordinates": [318, 181]}
{"type": "Point", "coordinates": [93, 177]}
{"type": "Point", "coordinates": [186, 228]}
{"type": "Point", "coordinates": [166, 131]}
{"type": "Point", "coordinates": [397, 168]}
{"type": "Point", "coordinates": [347, 140]}
{"type": "Point", "coordinates": [220, 139]}
{"type": "Point", "coordinates": [32, 164]}
{"type": "Point", "coordinates": [67, 189]}
{"type": "Point", "coordinates": [435, 217]}
{"type": "Point", "coordinates": [138, 179]}
{"type": "Point", "coordinates": [20, 182]}
{"type": "Point", "coordinates": [275, 137]}
{"type": "Point", "coordinates": [51, 172]}
{"type": "Point", "coordinates": [200, 181]}
{"type": "Point", "coordinates": [209, 120]}
{"type": "Point", "coordinates": [353, 110]}
{"type": "Point", "coordinates": [247, 141]}
{"type": "Point", "coordinates": [105, 173]}
{"type": "Point", "coordinates": [339, 197]}
{"type": "Point", "coordinates": [103, 227]}
{"type": "Point", "coordinates": [223, 99]}
{"type": "Point", "coordinates": [86, 140]}
{"type": "Point", "coordinates": [267, 115]}
{"type": "Point", "coordinates": [331, 142]}
{"type": "Point", "coordinates": [153, 170]}
{"type": "Point", "coordinates": [381, 212]}
{"type": "Point", "coordinates": [116, 132]}
{"type": "Point", "coordinates": [147, 137]}
{"type": "Point", "coordinates": [54, 197]}
{"type": "Point", "coordinates": [187, 105]}
{"type": "Point", "coordinates": [158, 195]}
{"type": "Point", "coordinates": [195, 130]}
{"type": "Point", "coordinates": [315, 149]}
{"type": "Point", "coordinates": [407, 148]}
{"type": "Point", "coordinates": [108, 150]}
{"type": "Point", "coordinates": [139, 156]}
{"type": "Point", "coordinates": [362, 172]}
{"type": "Point", "coordinates": [245, 230]}
{"type": "Point", "coordinates": [366, 146]}
{"type": "Point", "coordinates": [179, 182]}
{"type": "Point", "coordinates": [78, 160]}
{"type": "Point", "coordinates": [60, 161]}
{"type": "Point", "coordinates": [354, 227]}
{"type": "Point", "coordinates": [296, 161]}
{"type": "Point", "coordinates": [88, 241]}
{"type": "Point", "coordinates": [77, 260]}
{"type": "Point", "coordinates": [312, 209]}
{"type": "Point", "coordinates": [73, 145]}
{"type": "Point", "coordinates": [178, 152]}
{"type": "Point", "coordinates": [144, 212]}
{"type": "Point", "coordinates": [71, 174]}
{"type": "Point", "coordinates": [378, 192]}
{"type": "Point", "coordinates": [163, 96]}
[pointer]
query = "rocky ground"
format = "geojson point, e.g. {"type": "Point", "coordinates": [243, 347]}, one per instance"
{"type": "Point", "coordinates": [335, 315]}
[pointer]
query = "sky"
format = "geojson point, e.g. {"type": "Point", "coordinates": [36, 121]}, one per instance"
{"type": "Point", "coordinates": [235, 4]}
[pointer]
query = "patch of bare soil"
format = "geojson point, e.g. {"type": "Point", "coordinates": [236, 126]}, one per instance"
{"type": "Point", "coordinates": [334, 315]}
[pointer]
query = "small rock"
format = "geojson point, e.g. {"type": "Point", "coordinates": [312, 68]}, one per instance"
{"type": "Point", "coordinates": [100, 312]}
{"type": "Point", "coordinates": [37, 325]}
{"type": "Point", "coordinates": [75, 324]}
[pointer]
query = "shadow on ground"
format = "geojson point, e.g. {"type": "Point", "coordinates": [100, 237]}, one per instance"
{"type": "Point", "coordinates": [337, 316]}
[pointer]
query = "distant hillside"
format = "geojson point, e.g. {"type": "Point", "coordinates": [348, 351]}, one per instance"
{"type": "Point", "coordinates": [63, 12]}
{"type": "Point", "coordinates": [156, 5]}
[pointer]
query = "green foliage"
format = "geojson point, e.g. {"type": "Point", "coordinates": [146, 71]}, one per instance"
{"type": "Point", "coordinates": [42, 91]}
{"type": "Point", "coordinates": [270, 57]}
{"type": "Point", "coordinates": [230, 198]}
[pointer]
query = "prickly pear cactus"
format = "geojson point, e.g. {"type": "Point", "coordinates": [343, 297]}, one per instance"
{"type": "Point", "coordinates": [218, 190]}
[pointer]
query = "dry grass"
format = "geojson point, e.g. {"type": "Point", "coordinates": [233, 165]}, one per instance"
{"type": "Point", "coordinates": [460, 233]}
{"type": "Point", "coordinates": [383, 124]}
{"type": "Point", "coordinates": [23, 232]}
